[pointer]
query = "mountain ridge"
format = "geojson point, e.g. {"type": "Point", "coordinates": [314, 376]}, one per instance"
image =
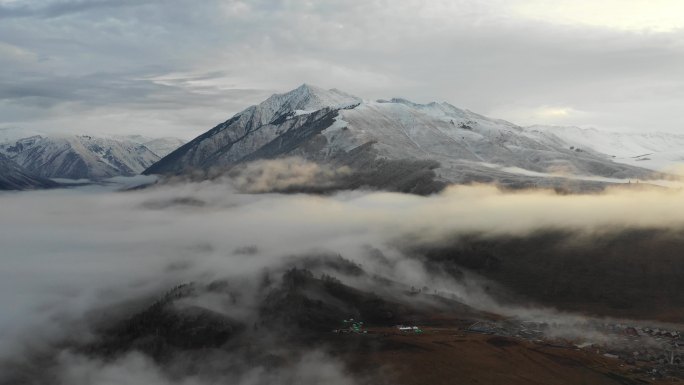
{"type": "Point", "coordinates": [653, 150]}
{"type": "Point", "coordinates": [15, 177]}
{"type": "Point", "coordinates": [79, 156]}
{"type": "Point", "coordinates": [325, 126]}
{"type": "Point", "coordinates": [160, 146]}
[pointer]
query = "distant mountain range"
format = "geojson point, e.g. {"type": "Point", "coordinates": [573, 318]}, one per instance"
{"type": "Point", "coordinates": [79, 157]}
{"type": "Point", "coordinates": [40, 158]}
{"type": "Point", "coordinates": [388, 144]}
{"type": "Point", "coordinates": [653, 150]}
{"type": "Point", "coordinates": [159, 146]}
{"type": "Point", "coordinates": [379, 139]}
{"type": "Point", "coordinates": [15, 177]}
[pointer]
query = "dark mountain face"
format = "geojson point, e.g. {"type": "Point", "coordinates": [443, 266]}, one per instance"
{"type": "Point", "coordinates": [375, 139]}
{"type": "Point", "coordinates": [14, 177]}
{"type": "Point", "coordinates": [631, 273]}
{"type": "Point", "coordinates": [233, 142]}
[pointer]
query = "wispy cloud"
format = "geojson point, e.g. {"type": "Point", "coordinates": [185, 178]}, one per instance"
{"type": "Point", "coordinates": [489, 56]}
{"type": "Point", "coordinates": [50, 9]}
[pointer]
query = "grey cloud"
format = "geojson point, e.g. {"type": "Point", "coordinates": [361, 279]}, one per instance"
{"type": "Point", "coordinates": [476, 55]}
{"type": "Point", "coordinates": [61, 8]}
{"type": "Point", "coordinates": [94, 90]}
{"type": "Point", "coordinates": [155, 106]}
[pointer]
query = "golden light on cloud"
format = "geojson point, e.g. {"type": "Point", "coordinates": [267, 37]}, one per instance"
{"type": "Point", "coordinates": [544, 114]}
{"type": "Point", "coordinates": [14, 53]}
{"type": "Point", "coordinates": [553, 112]}
{"type": "Point", "coordinates": [631, 15]}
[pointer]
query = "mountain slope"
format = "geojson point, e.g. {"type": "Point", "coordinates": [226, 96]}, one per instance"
{"type": "Point", "coordinates": [254, 127]}
{"type": "Point", "coordinates": [655, 150]}
{"type": "Point", "coordinates": [337, 128]}
{"type": "Point", "coordinates": [14, 177]}
{"type": "Point", "coordinates": [159, 146]}
{"type": "Point", "coordinates": [163, 146]}
{"type": "Point", "coordinates": [79, 157]}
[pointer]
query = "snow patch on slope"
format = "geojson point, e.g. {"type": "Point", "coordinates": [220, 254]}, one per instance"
{"type": "Point", "coordinates": [655, 150]}
{"type": "Point", "coordinates": [159, 146]}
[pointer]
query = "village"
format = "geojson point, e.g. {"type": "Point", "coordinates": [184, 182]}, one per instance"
{"type": "Point", "coordinates": [655, 352]}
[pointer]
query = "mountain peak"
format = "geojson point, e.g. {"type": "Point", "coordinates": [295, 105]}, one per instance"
{"type": "Point", "coordinates": [309, 97]}
{"type": "Point", "coordinates": [305, 87]}
{"type": "Point", "coordinates": [303, 99]}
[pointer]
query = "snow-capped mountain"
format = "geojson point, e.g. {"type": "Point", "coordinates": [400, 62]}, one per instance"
{"type": "Point", "coordinates": [9, 134]}
{"type": "Point", "coordinates": [658, 151]}
{"type": "Point", "coordinates": [254, 127]}
{"type": "Point", "coordinates": [334, 127]}
{"type": "Point", "coordinates": [160, 146]}
{"type": "Point", "coordinates": [79, 157]}
{"type": "Point", "coordinates": [14, 177]}
{"type": "Point", "coordinates": [163, 146]}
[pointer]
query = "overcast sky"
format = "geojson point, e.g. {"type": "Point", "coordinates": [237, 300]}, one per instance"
{"type": "Point", "coordinates": [178, 67]}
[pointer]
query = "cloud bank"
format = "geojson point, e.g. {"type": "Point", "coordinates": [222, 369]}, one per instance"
{"type": "Point", "coordinates": [68, 253]}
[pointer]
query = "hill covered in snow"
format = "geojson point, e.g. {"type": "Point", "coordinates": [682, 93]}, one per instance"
{"type": "Point", "coordinates": [376, 138]}
{"type": "Point", "coordinates": [79, 157]}
{"type": "Point", "coordinates": [15, 177]}
{"type": "Point", "coordinates": [159, 146]}
{"type": "Point", "coordinates": [658, 151]}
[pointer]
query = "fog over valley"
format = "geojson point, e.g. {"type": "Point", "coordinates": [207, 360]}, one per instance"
{"type": "Point", "coordinates": [78, 262]}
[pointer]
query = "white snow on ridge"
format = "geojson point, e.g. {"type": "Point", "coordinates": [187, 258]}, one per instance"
{"type": "Point", "coordinates": [79, 157]}
{"type": "Point", "coordinates": [159, 146]}
{"type": "Point", "coordinates": [654, 150]}
{"type": "Point", "coordinates": [15, 177]}
{"type": "Point", "coordinates": [432, 131]}
{"type": "Point", "coordinates": [304, 99]}
{"type": "Point", "coordinates": [462, 144]}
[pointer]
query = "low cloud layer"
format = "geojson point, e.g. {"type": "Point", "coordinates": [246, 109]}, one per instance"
{"type": "Point", "coordinates": [285, 174]}
{"type": "Point", "coordinates": [67, 253]}
{"type": "Point", "coordinates": [312, 368]}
